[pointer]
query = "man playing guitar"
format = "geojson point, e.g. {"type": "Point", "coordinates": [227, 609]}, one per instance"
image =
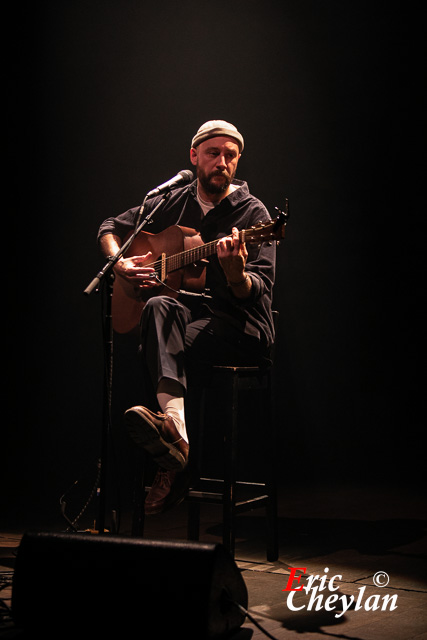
{"type": "Point", "coordinates": [181, 334]}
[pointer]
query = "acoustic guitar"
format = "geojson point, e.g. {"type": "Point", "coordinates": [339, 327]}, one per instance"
{"type": "Point", "coordinates": [180, 265]}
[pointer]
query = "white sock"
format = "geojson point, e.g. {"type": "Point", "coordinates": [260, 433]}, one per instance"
{"type": "Point", "coordinates": [172, 404]}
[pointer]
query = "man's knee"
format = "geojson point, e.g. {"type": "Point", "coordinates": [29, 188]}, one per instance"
{"type": "Point", "coordinates": [159, 305]}
{"type": "Point", "coordinates": [164, 309]}
{"type": "Point", "coordinates": [159, 302]}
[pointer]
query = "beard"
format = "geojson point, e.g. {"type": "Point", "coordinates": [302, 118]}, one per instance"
{"type": "Point", "coordinates": [208, 184]}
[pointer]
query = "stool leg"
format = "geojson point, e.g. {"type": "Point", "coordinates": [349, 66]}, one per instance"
{"type": "Point", "coordinates": [230, 458]}
{"type": "Point", "coordinates": [271, 510]}
{"type": "Point", "coordinates": [193, 522]}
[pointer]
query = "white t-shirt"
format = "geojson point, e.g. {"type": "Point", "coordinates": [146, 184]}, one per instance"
{"type": "Point", "coordinates": [206, 205]}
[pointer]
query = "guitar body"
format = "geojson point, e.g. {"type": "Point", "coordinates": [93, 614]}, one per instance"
{"type": "Point", "coordinates": [128, 302]}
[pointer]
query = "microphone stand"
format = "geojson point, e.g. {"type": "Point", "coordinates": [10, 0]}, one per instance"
{"type": "Point", "coordinates": [107, 276]}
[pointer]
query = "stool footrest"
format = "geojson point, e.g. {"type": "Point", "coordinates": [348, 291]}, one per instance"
{"type": "Point", "coordinates": [218, 498]}
{"type": "Point", "coordinates": [213, 492]}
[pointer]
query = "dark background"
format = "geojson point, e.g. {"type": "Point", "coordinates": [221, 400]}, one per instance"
{"type": "Point", "coordinates": [104, 98]}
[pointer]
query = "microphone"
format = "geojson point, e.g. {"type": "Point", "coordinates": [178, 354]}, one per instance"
{"type": "Point", "coordinates": [181, 178]}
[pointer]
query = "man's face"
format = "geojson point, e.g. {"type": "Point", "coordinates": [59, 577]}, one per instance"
{"type": "Point", "coordinates": [216, 163]}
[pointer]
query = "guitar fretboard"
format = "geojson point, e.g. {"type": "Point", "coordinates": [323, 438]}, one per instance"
{"type": "Point", "coordinates": [195, 254]}
{"type": "Point", "coordinates": [189, 256]}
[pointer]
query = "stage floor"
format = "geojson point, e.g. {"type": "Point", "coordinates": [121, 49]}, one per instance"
{"type": "Point", "coordinates": [374, 539]}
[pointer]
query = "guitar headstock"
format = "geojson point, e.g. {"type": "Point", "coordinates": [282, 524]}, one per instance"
{"type": "Point", "coordinates": [266, 231]}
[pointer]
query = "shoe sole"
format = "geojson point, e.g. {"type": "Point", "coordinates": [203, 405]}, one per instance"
{"type": "Point", "coordinates": [145, 435]}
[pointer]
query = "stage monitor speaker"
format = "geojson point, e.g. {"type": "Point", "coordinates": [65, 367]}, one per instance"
{"type": "Point", "coordinates": [70, 585]}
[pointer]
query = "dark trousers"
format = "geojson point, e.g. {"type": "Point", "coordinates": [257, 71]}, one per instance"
{"type": "Point", "coordinates": [181, 341]}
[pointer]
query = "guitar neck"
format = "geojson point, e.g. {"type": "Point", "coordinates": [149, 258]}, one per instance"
{"type": "Point", "coordinates": [195, 254]}
{"type": "Point", "coordinates": [265, 232]}
{"type": "Point", "coordinates": [190, 256]}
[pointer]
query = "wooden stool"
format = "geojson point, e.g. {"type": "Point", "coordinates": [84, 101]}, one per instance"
{"type": "Point", "coordinates": [233, 495]}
